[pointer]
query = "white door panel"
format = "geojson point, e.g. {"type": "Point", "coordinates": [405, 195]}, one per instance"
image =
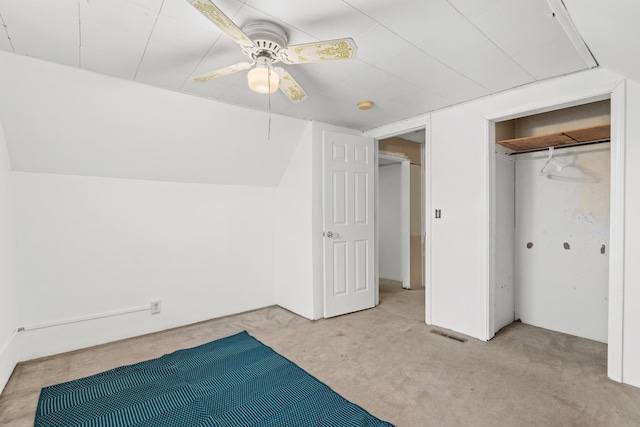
{"type": "Point", "coordinates": [349, 250]}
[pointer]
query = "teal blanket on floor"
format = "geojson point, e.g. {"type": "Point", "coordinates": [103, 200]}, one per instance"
{"type": "Point", "coordinates": [234, 381]}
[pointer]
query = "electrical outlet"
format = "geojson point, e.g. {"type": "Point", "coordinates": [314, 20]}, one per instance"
{"type": "Point", "coordinates": [156, 306]}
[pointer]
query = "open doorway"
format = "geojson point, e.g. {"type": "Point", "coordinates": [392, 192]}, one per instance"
{"type": "Point", "coordinates": [401, 211]}
{"type": "Point", "coordinates": [394, 219]}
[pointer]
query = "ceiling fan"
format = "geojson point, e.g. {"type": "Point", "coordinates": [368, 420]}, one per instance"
{"type": "Point", "coordinates": [265, 44]}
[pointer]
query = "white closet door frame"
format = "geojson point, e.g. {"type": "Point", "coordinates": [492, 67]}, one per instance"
{"type": "Point", "coordinates": [617, 94]}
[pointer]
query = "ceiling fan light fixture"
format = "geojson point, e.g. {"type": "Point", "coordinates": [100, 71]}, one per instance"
{"type": "Point", "coordinates": [266, 43]}
{"type": "Point", "coordinates": [262, 78]}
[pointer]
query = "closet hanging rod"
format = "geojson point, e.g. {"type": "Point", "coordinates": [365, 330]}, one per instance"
{"type": "Point", "coordinates": [557, 147]}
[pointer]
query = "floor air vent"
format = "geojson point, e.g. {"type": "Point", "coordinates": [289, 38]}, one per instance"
{"type": "Point", "coordinates": [443, 334]}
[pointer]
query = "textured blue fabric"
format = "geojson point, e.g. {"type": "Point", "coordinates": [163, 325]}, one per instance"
{"type": "Point", "coordinates": [232, 382]}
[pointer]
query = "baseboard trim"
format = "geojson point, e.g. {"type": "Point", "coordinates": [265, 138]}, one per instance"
{"type": "Point", "coordinates": [8, 359]}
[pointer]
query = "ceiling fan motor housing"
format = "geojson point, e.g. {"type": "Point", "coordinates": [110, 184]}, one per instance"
{"type": "Point", "coordinates": [268, 38]}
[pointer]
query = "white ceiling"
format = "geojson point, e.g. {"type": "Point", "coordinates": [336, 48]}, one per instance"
{"type": "Point", "coordinates": [413, 56]}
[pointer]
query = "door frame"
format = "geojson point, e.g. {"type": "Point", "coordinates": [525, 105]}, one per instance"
{"type": "Point", "coordinates": [617, 97]}
{"type": "Point", "coordinates": [405, 215]}
{"type": "Point", "coordinates": [397, 129]}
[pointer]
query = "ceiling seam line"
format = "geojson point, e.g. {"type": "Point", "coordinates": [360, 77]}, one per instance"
{"type": "Point", "coordinates": [407, 81]}
{"type": "Point", "coordinates": [413, 45]}
{"type": "Point", "coordinates": [184, 82]}
{"type": "Point", "coordinates": [146, 46]}
{"type": "Point", "coordinates": [435, 59]}
{"type": "Point", "coordinates": [6, 31]}
{"type": "Point", "coordinates": [493, 43]}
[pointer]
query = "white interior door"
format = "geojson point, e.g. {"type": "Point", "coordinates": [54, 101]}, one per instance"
{"type": "Point", "coordinates": [349, 227]}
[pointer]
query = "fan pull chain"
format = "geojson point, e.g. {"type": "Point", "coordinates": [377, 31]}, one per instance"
{"type": "Point", "coordinates": [269, 95]}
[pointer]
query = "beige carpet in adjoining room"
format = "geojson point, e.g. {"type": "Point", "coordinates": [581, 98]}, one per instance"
{"type": "Point", "coordinates": [387, 360]}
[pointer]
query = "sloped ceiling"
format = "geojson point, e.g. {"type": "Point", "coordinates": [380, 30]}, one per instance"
{"type": "Point", "coordinates": [611, 30]}
{"type": "Point", "coordinates": [67, 121]}
{"type": "Point", "coordinates": [414, 56]}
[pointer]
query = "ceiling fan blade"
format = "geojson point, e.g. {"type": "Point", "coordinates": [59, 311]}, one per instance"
{"type": "Point", "coordinates": [211, 11]}
{"type": "Point", "coordinates": [223, 72]}
{"type": "Point", "coordinates": [318, 51]}
{"type": "Point", "coordinates": [290, 87]}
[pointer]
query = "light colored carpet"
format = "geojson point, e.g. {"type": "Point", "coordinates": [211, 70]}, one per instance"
{"type": "Point", "coordinates": [386, 360]}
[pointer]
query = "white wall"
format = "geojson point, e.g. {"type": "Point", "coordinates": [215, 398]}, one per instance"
{"type": "Point", "coordinates": [565, 290]}
{"type": "Point", "coordinates": [8, 286]}
{"type": "Point", "coordinates": [89, 245]}
{"type": "Point", "coordinates": [390, 221]}
{"type": "Point", "coordinates": [631, 349]}
{"type": "Point", "coordinates": [457, 247]}
{"type": "Point", "coordinates": [294, 231]}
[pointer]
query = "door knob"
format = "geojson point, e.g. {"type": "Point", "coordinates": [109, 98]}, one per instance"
{"type": "Point", "coordinates": [329, 234]}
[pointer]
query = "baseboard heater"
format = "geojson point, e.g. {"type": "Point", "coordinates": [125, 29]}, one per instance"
{"type": "Point", "coordinates": [84, 318]}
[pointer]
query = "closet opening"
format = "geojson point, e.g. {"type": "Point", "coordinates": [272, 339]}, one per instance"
{"type": "Point", "coordinates": [552, 220]}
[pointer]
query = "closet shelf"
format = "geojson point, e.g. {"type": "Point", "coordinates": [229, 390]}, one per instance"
{"type": "Point", "coordinates": [575, 136]}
